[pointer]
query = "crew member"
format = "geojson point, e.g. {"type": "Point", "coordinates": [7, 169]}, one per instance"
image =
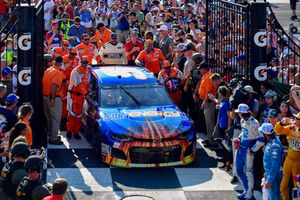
{"type": "Point", "coordinates": [151, 58]}
{"type": "Point", "coordinates": [70, 61]}
{"type": "Point", "coordinates": [78, 88]}
{"type": "Point", "coordinates": [172, 79]}
{"type": "Point", "coordinates": [85, 48]}
{"type": "Point", "coordinates": [291, 166]}
{"type": "Point", "coordinates": [273, 158]}
{"type": "Point", "coordinates": [250, 141]}
{"type": "Point", "coordinates": [61, 51]}
{"type": "Point", "coordinates": [52, 99]}
{"type": "Point", "coordinates": [113, 52]}
{"type": "Point", "coordinates": [102, 35]}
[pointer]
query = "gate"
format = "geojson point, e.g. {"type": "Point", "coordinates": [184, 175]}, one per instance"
{"type": "Point", "coordinates": [227, 39]}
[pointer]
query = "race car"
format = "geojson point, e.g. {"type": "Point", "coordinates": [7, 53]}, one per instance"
{"type": "Point", "coordinates": [132, 122]}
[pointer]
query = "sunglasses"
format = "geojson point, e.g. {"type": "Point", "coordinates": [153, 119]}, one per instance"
{"type": "Point", "coordinates": [77, 24]}
{"type": "Point", "coordinates": [86, 39]}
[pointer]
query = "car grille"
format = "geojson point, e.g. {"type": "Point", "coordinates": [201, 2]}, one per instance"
{"type": "Point", "coordinates": [155, 155]}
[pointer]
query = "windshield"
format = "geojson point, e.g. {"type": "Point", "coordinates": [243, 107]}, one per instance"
{"type": "Point", "coordinates": [134, 96]}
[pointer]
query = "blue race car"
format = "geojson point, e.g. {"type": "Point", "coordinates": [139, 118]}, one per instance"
{"type": "Point", "coordinates": [132, 122]}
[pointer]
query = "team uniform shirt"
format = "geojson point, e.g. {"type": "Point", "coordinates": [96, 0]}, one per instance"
{"type": "Point", "coordinates": [129, 46]}
{"type": "Point", "coordinates": [53, 75]}
{"type": "Point", "coordinates": [206, 86]}
{"type": "Point", "coordinates": [113, 54]}
{"type": "Point", "coordinates": [59, 51]}
{"type": "Point", "coordinates": [293, 133]}
{"type": "Point", "coordinates": [69, 65]}
{"type": "Point", "coordinates": [163, 77]}
{"type": "Point", "coordinates": [87, 50]}
{"type": "Point", "coordinates": [79, 81]}
{"type": "Point", "coordinates": [102, 38]}
{"type": "Point", "coordinates": [151, 59]}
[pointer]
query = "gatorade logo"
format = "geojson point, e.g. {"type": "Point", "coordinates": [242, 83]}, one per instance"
{"type": "Point", "coordinates": [260, 38]}
{"type": "Point", "coordinates": [24, 77]}
{"type": "Point", "coordinates": [260, 73]}
{"type": "Point", "coordinates": [24, 42]}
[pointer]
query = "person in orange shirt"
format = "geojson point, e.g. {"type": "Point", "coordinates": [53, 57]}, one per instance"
{"type": "Point", "coordinates": [85, 48]}
{"type": "Point", "coordinates": [205, 90]}
{"type": "Point", "coordinates": [102, 35]}
{"type": "Point", "coordinates": [52, 88]}
{"type": "Point", "coordinates": [172, 79]}
{"type": "Point", "coordinates": [151, 58]}
{"type": "Point", "coordinates": [78, 88]}
{"type": "Point", "coordinates": [25, 114]}
{"type": "Point", "coordinates": [70, 61]}
{"type": "Point", "coordinates": [61, 51]}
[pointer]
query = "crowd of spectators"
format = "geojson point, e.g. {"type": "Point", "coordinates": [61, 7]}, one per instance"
{"type": "Point", "coordinates": [168, 38]}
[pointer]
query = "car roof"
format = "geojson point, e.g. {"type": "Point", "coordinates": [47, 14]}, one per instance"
{"type": "Point", "coordinates": [124, 75]}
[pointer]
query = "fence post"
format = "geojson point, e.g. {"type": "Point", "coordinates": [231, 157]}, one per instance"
{"type": "Point", "coordinates": [30, 66]}
{"type": "Point", "coordinates": [258, 43]}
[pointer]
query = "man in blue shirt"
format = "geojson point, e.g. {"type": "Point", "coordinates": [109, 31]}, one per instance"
{"type": "Point", "coordinates": [123, 26]}
{"type": "Point", "coordinates": [273, 158]}
{"type": "Point", "coordinates": [7, 113]}
{"type": "Point", "coordinates": [75, 32]}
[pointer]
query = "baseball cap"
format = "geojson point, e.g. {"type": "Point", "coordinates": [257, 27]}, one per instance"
{"type": "Point", "coordinates": [65, 14]}
{"type": "Point", "coordinates": [233, 82]}
{"type": "Point", "coordinates": [249, 88]}
{"type": "Point", "coordinates": [100, 25]}
{"type": "Point", "coordinates": [266, 128]}
{"type": "Point", "coordinates": [204, 66]}
{"type": "Point", "coordinates": [188, 47]}
{"type": "Point", "coordinates": [134, 32]}
{"type": "Point", "coordinates": [102, 1]}
{"type": "Point", "coordinates": [155, 9]}
{"type": "Point", "coordinates": [229, 48]}
{"type": "Point", "coordinates": [273, 113]}
{"type": "Point", "coordinates": [163, 28]}
{"type": "Point", "coordinates": [114, 36]}
{"type": "Point", "coordinates": [73, 50]}
{"type": "Point", "coordinates": [270, 94]}
{"type": "Point", "coordinates": [58, 59]}
{"type": "Point", "coordinates": [6, 70]}
{"type": "Point", "coordinates": [12, 98]}
{"type": "Point", "coordinates": [179, 47]}
{"type": "Point", "coordinates": [242, 108]}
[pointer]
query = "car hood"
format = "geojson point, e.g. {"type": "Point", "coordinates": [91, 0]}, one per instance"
{"type": "Point", "coordinates": [149, 123]}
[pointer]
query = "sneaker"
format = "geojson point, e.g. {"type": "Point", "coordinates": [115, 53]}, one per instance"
{"type": "Point", "coordinates": [293, 17]}
{"type": "Point", "coordinates": [56, 142]}
{"type": "Point", "coordinates": [234, 180]}
{"type": "Point", "coordinates": [69, 135]}
{"type": "Point", "coordinates": [77, 136]}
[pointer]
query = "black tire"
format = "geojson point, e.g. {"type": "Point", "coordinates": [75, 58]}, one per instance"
{"type": "Point", "coordinates": [294, 30]}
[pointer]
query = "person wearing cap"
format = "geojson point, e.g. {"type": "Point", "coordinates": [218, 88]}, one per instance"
{"type": "Point", "coordinates": [86, 48]}
{"type": "Point", "coordinates": [250, 141]}
{"type": "Point", "coordinates": [189, 63]}
{"type": "Point", "coordinates": [133, 22]}
{"type": "Point", "coordinates": [251, 101]}
{"type": "Point", "coordinates": [172, 79]}
{"type": "Point", "coordinates": [123, 25]}
{"type": "Point", "coordinates": [7, 112]}
{"type": "Point", "coordinates": [7, 54]}
{"type": "Point", "coordinates": [151, 58]}
{"type": "Point", "coordinates": [65, 23]}
{"type": "Point", "coordinates": [166, 43]}
{"type": "Point", "coordinates": [113, 51]}
{"type": "Point", "coordinates": [78, 88]}
{"type": "Point", "coordinates": [59, 190]}
{"type": "Point", "coordinates": [179, 58]}
{"type": "Point", "coordinates": [19, 152]}
{"type": "Point", "coordinates": [291, 167]}
{"type": "Point", "coordinates": [48, 14]}
{"type": "Point", "coordinates": [101, 13]}
{"type": "Point", "coordinates": [102, 35]}
{"type": "Point", "coordinates": [271, 99]}
{"type": "Point", "coordinates": [272, 161]}
{"type": "Point", "coordinates": [133, 47]}
{"type": "Point", "coordinates": [86, 16]}
{"type": "Point", "coordinates": [34, 166]}
{"type": "Point", "coordinates": [52, 88]}
{"type": "Point", "coordinates": [54, 37]}
{"type": "Point", "coordinates": [75, 32]}
{"type": "Point", "coordinates": [206, 89]}
{"type": "Point", "coordinates": [60, 51]}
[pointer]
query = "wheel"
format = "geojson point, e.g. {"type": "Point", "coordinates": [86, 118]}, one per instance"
{"type": "Point", "coordinates": [294, 30]}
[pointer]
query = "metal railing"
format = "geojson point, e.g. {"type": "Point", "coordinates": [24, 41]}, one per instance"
{"type": "Point", "coordinates": [227, 38]}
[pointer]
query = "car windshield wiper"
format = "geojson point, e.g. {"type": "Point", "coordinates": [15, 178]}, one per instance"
{"type": "Point", "coordinates": [131, 96]}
